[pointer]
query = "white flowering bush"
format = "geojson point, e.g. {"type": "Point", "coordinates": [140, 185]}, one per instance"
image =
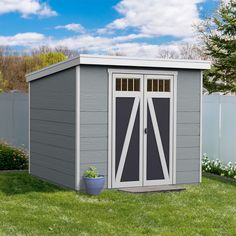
{"type": "Point", "coordinates": [218, 168]}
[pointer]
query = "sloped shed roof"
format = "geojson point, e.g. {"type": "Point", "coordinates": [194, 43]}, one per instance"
{"type": "Point", "coordinates": [85, 59]}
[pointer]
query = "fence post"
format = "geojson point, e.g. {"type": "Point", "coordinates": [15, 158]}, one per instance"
{"type": "Point", "coordinates": [220, 126]}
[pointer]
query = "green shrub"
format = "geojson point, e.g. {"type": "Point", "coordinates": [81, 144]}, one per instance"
{"type": "Point", "coordinates": [216, 167]}
{"type": "Point", "coordinates": [12, 158]}
{"type": "Point", "coordinates": [91, 173]}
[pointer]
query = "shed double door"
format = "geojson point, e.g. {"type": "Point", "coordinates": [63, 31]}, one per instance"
{"type": "Point", "coordinates": [142, 124]}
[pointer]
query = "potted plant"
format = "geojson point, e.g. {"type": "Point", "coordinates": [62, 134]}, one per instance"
{"type": "Point", "coordinates": [94, 182]}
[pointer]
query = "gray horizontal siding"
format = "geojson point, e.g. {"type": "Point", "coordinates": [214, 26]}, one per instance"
{"type": "Point", "coordinates": [94, 89]}
{"type": "Point", "coordinates": [90, 102]}
{"type": "Point", "coordinates": [93, 130]}
{"type": "Point", "coordinates": [185, 105]}
{"type": "Point", "coordinates": [97, 144]}
{"type": "Point", "coordinates": [93, 157]}
{"type": "Point", "coordinates": [187, 153]}
{"type": "Point", "coordinates": [52, 128]}
{"type": "Point", "coordinates": [188, 165]}
{"type": "Point", "coordinates": [49, 100]}
{"type": "Point", "coordinates": [47, 84]}
{"type": "Point", "coordinates": [188, 127]}
{"type": "Point", "coordinates": [188, 141]}
{"type": "Point", "coordinates": [53, 115]}
{"type": "Point", "coordinates": [94, 119]}
{"type": "Point", "coordinates": [187, 177]}
{"type": "Point", "coordinates": [188, 117]}
{"type": "Point", "coordinates": [53, 139]}
{"type": "Point", "coordinates": [53, 151]}
{"type": "Point", "coordinates": [62, 166]}
{"type": "Point", "coordinates": [188, 90]}
{"type": "Point", "coordinates": [52, 175]}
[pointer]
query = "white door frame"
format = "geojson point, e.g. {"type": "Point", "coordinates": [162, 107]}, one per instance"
{"type": "Point", "coordinates": [111, 116]}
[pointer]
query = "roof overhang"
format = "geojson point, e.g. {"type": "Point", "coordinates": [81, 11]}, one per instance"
{"type": "Point", "coordinates": [85, 59]}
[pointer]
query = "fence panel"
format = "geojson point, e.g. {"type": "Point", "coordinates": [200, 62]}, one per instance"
{"type": "Point", "coordinates": [218, 124]}
{"type": "Point", "coordinates": [219, 127]}
{"type": "Point", "coordinates": [14, 119]}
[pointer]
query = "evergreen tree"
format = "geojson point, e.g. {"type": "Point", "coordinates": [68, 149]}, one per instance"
{"type": "Point", "coordinates": [219, 34]}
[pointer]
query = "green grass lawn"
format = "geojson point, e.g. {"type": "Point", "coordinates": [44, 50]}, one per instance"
{"type": "Point", "coordinates": [29, 206]}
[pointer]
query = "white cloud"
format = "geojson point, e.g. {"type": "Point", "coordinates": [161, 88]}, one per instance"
{"type": "Point", "coordinates": [149, 19]}
{"type": "Point", "coordinates": [29, 39]}
{"type": "Point", "coordinates": [94, 43]}
{"type": "Point", "coordinates": [129, 37]}
{"type": "Point", "coordinates": [26, 8]}
{"type": "Point", "coordinates": [72, 27]}
{"type": "Point", "coordinates": [158, 17]}
{"type": "Point", "coordinates": [139, 49]}
{"type": "Point", "coordinates": [123, 45]}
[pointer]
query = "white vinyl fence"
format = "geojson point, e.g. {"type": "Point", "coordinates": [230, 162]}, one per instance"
{"type": "Point", "coordinates": [14, 119]}
{"type": "Point", "coordinates": [219, 127]}
{"type": "Point", "coordinates": [218, 124]}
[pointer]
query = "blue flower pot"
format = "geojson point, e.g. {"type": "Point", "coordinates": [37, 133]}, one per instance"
{"type": "Point", "coordinates": [94, 186]}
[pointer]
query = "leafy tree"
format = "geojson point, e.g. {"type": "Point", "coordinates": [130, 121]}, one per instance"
{"type": "Point", "coordinates": [3, 83]}
{"type": "Point", "coordinates": [49, 58]}
{"type": "Point", "coordinates": [13, 67]}
{"type": "Point", "coordinates": [219, 34]}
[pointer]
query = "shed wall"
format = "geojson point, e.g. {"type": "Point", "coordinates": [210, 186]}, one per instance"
{"type": "Point", "coordinates": [94, 122]}
{"type": "Point", "coordinates": [52, 127]}
{"type": "Point", "coordinates": [93, 119]}
{"type": "Point", "coordinates": [188, 126]}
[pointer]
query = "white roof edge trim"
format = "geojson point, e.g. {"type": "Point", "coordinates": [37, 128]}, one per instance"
{"type": "Point", "coordinates": [86, 59]}
{"type": "Point", "coordinates": [53, 69]}
{"type": "Point", "coordinates": [139, 58]}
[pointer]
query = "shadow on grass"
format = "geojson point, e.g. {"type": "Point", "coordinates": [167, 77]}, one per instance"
{"type": "Point", "coordinates": [223, 179]}
{"type": "Point", "coordinates": [21, 182]}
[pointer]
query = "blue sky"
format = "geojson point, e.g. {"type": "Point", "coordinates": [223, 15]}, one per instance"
{"type": "Point", "coordinates": [132, 27]}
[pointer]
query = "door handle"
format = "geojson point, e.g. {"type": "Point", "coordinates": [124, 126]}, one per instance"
{"type": "Point", "coordinates": [145, 130]}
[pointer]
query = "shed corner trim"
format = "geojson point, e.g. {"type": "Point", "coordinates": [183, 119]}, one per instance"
{"type": "Point", "coordinates": [77, 130]}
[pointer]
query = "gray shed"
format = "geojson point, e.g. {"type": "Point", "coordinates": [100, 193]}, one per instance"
{"type": "Point", "coordinates": [137, 120]}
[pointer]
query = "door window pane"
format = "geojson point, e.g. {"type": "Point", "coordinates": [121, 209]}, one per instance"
{"type": "Point", "coordinates": [161, 85]}
{"type": "Point", "coordinates": [118, 84]}
{"type": "Point", "coordinates": [149, 85]}
{"type": "Point", "coordinates": [136, 85]}
{"type": "Point", "coordinates": [155, 85]}
{"type": "Point", "coordinates": [130, 85]}
{"type": "Point", "coordinates": [124, 84]}
{"type": "Point", "coordinates": [167, 85]}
